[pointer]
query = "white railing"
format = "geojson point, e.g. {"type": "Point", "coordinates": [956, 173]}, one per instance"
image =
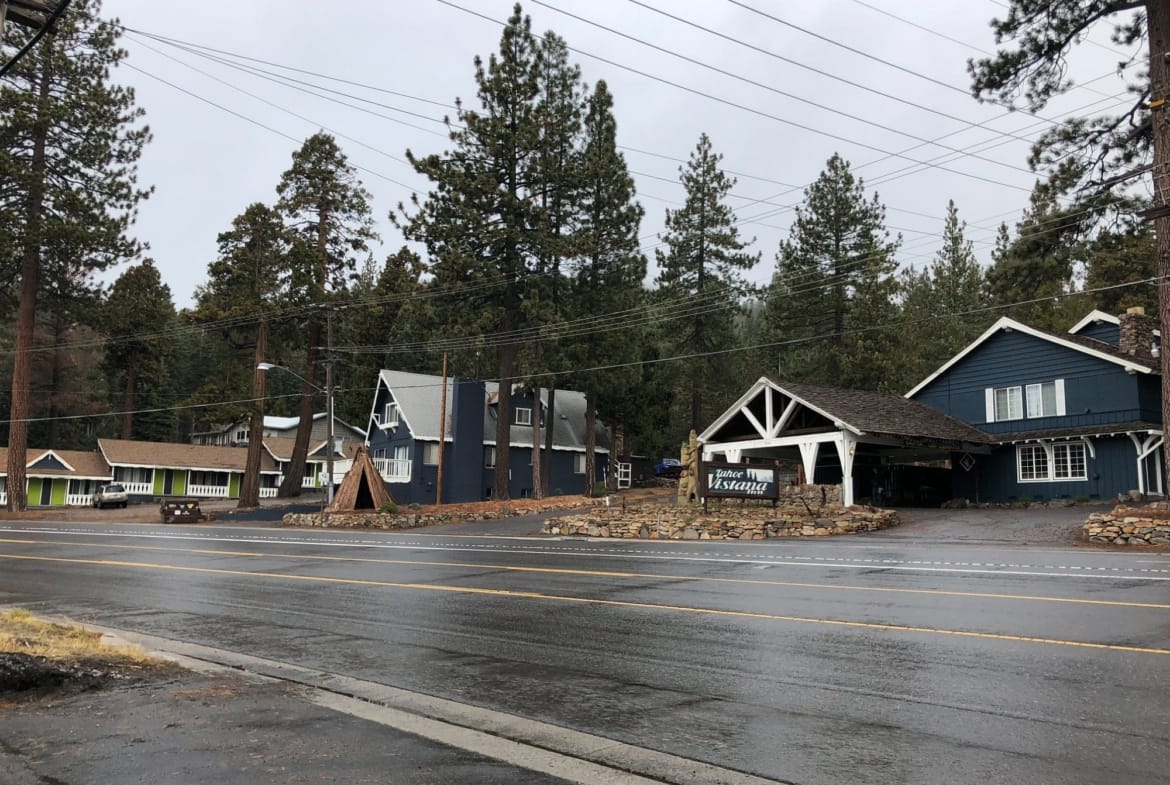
{"type": "Point", "coordinates": [309, 480]}
{"type": "Point", "coordinates": [141, 488]}
{"type": "Point", "coordinates": [268, 493]}
{"type": "Point", "coordinates": [3, 497]}
{"type": "Point", "coordinates": [208, 491]}
{"type": "Point", "coordinates": [78, 499]}
{"type": "Point", "coordinates": [393, 470]}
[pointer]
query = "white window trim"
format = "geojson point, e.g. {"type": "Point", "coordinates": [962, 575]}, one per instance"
{"type": "Point", "coordinates": [527, 418]}
{"type": "Point", "coordinates": [489, 459]}
{"type": "Point", "coordinates": [579, 463]}
{"type": "Point", "coordinates": [993, 412]}
{"type": "Point", "coordinates": [427, 448]}
{"type": "Point", "coordinates": [390, 406]}
{"type": "Point", "coordinates": [1050, 462]}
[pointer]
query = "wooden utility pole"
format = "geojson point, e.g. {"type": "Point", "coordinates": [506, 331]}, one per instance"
{"type": "Point", "coordinates": [442, 433]}
{"type": "Point", "coordinates": [1158, 28]}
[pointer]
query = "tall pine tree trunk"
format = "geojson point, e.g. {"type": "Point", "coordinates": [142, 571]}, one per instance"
{"type": "Point", "coordinates": [250, 487]}
{"type": "Point", "coordinates": [551, 419]}
{"type": "Point", "coordinates": [537, 489]}
{"type": "Point", "coordinates": [26, 314]}
{"type": "Point", "coordinates": [590, 442]}
{"type": "Point", "coordinates": [295, 474]}
{"type": "Point", "coordinates": [128, 399]}
{"type": "Point", "coordinates": [1158, 25]}
{"type": "Point", "coordinates": [502, 490]}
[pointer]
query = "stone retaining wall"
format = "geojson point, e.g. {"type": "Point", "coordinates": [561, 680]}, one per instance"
{"type": "Point", "coordinates": [732, 522]}
{"type": "Point", "coordinates": [1148, 525]}
{"type": "Point", "coordinates": [410, 519]}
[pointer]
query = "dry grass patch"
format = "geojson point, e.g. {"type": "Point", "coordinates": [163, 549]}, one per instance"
{"type": "Point", "coordinates": [38, 656]}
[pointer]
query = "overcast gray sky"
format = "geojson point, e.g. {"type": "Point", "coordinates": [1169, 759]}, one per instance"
{"type": "Point", "coordinates": [208, 164]}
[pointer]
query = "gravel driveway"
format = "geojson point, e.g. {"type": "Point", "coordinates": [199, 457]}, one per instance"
{"type": "Point", "coordinates": [1030, 526]}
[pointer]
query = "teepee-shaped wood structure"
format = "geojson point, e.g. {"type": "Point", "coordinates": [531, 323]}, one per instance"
{"type": "Point", "coordinates": [362, 487]}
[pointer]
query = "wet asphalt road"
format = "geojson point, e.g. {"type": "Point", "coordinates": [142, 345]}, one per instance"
{"type": "Point", "coordinates": [861, 660]}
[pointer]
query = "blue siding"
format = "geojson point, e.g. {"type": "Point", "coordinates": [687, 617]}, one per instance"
{"type": "Point", "coordinates": [1097, 392]}
{"type": "Point", "coordinates": [1103, 331]}
{"type": "Point", "coordinates": [994, 477]}
{"type": "Point", "coordinates": [49, 462]}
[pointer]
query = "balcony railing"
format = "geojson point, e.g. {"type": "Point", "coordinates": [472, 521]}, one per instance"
{"type": "Point", "coordinates": [268, 493]}
{"type": "Point", "coordinates": [208, 491]}
{"type": "Point", "coordinates": [393, 469]}
{"type": "Point", "coordinates": [137, 488]}
{"type": "Point", "coordinates": [78, 499]}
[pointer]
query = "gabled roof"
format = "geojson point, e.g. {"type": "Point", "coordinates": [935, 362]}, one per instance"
{"type": "Point", "coordinates": [281, 448]}
{"type": "Point", "coordinates": [861, 412]}
{"type": "Point", "coordinates": [81, 464]}
{"type": "Point", "coordinates": [123, 452]}
{"type": "Point", "coordinates": [419, 398]}
{"type": "Point", "coordinates": [1093, 317]}
{"type": "Point", "coordinates": [1089, 346]}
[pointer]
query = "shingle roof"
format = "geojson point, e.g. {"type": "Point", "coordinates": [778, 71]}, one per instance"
{"type": "Point", "coordinates": [1080, 430]}
{"type": "Point", "coordinates": [281, 447]}
{"type": "Point", "coordinates": [883, 413]}
{"type": "Point", "coordinates": [124, 452]}
{"type": "Point", "coordinates": [86, 464]}
{"type": "Point", "coordinates": [418, 396]}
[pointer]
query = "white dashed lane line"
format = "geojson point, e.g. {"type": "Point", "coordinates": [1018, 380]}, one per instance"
{"type": "Point", "coordinates": [760, 558]}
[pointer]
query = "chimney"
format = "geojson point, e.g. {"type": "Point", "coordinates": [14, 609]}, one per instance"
{"type": "Point", "coordinates": [1138, 332]}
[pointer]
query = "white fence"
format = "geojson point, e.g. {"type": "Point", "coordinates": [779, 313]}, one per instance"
{"type": "Point", "coordinates": [138, 488]}
{"type": "Point", "coordinates": [78, 499]}
{"type": "Point", "coordinates": [208, 491]}
{"type": "Point", "coordinates": [268, 493]}
{"type": "Point", "coordinates": [393, 470]}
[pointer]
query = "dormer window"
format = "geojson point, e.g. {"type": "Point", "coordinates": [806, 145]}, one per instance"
{"type": "Point", "coordinates": [390, 415]}
{"type": "Point", "coordinates": [523, 416]}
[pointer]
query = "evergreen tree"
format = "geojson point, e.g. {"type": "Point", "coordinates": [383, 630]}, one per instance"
{"type": "Point", "coordinates": [245, 285]}
{"type": "Point", "coordinates": [704, 263]}
{"type": "Point", "coordinates": [376, 317]}
{"type": "Point", "coordinates": [607, 278]}
{"type": "Point", "coordinates": [138, 316]}
{"type": "Point", "coordinates": [1118, 257]}
{"type": "Point", "coordinates": [328, 211]}
{"type": "Point", "coordinates": [833, 283]}
{"type": "Point", "coordinates": [1033, 270]}
{"type": "Point", "coordinates": [483, 223]}
{"type": "Point", "coordinates": [940, 305]}
{"type": "Point", "coordinates": [69, 147]}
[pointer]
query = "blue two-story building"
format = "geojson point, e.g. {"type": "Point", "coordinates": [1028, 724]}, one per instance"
{"type": "Point", "coordinates": [404, 428]}
{"type": "Point", "coordinates": [1021, 414]}
{"type": "Point", "coordinates": [1069, 415]}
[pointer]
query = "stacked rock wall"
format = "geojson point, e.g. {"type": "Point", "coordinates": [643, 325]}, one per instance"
{"type": "Point", "coordinates": [660, 522]}
{"type": "Point", "coordinates": [1148, 525]}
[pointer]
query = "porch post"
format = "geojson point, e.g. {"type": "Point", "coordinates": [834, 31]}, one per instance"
{"type": "Point", "coordinates": [808, 456]}
{"type": "Point", "coordinates": [846, 445]}
{"type": "Point", "coordinates": [1141, 475]}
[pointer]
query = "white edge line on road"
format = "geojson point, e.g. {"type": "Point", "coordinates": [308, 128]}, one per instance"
{"type": "Point", "coordinates": [896, 567]}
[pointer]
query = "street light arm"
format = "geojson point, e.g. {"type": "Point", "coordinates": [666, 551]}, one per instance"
{"type": "Point", "coordinates": [270, 366]}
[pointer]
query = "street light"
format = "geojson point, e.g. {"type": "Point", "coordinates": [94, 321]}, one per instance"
{"type": "Point", "coordinates": [329, 415]}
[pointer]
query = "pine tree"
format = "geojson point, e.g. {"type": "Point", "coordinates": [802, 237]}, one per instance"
{"type": "Point", "coordinates": [246, 284]}
{"type": "Point", "coordinates": [136, 318]}
{"type": "Point", "coordinates": [833, 282]}
{"type": "Point", "coordinates": [607, 278]}
{"type": "Point", "coordinates": [483, 224]}
{"type": "Point", "coordinates": [704, 263]}
{"type": "Point", "coordinates": [941, 305]}
{"type": "Point", "coordinates": [328, 211]}
{"type": "Point", "coordinates": [68, 152]}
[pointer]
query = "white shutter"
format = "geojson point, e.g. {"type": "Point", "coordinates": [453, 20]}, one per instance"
{"type": "Point", "coordinates": [989, 396]}
{"type": "Point", "coordinates": [1060, 412]}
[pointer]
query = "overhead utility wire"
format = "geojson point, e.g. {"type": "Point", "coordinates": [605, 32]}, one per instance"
{"type": "Point", "coordinates": [751, 110]}
{"type": "Point", "coordinates": [777, 91]}
{"type": "Point", "coordinates": [656, 361]}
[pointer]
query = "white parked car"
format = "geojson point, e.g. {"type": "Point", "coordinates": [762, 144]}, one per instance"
{"type": "Point", "coordinates": [112, 495]}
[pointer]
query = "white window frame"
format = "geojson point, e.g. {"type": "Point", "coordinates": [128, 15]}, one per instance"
{"type": "Point", "coordinates": [1011, 395]}
{"type": "Point", "coordinates": [489, 457]}
{"type": "Point", "coordinates": [401, 452]}
{"type": "Point", "coordinates": [1062, 462]}
{"type": "Point", "coordinates": [523, 416]}
{"type": "Point", "coordinates": [389, 415]}
{"type": "Point", "coordinates": [1034, 399]}
{"type": "Point", "coordinates": [430, 454]}
{"type": "Point", "coordinates": [578, 463]}
{"type": "Point", "coordinates": [1070, 450]}
{"type": "Point", "coordinates": [1042, 465]}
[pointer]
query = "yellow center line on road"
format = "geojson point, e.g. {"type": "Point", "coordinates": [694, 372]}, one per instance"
{"type": "Point", "coordinates": [529, 595]}
{"type": "Point", "coordinates": [610, 574]}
